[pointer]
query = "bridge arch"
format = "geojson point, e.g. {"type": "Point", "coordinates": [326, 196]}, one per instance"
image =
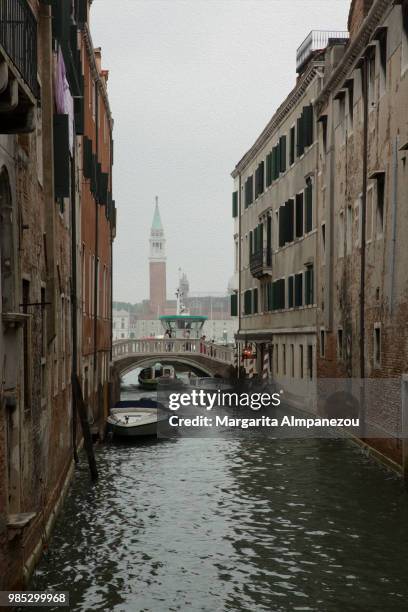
{"type": "Point", "coordinates": [144, 362]}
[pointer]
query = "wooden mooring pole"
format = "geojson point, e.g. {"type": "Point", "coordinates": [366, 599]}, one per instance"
{"type": "Point", "coordinates": [76, 386]}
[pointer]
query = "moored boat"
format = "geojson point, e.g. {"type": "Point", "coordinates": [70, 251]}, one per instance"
{"type": "Point", "coordinates": [149, 377]}
{"type": "Point", "coordinates": [136, 418]}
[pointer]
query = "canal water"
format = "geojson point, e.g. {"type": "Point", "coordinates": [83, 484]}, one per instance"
{"type": "Point", "coordinates": [231, 525]}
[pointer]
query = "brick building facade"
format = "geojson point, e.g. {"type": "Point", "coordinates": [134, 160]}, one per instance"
{"type": "Point", "coordinates": [357, 324]}
{"type": "Point", "coordinates": [41, 197]}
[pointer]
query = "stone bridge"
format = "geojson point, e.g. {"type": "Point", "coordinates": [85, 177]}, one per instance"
{"type": "Point", "coordinates": [206, 357]}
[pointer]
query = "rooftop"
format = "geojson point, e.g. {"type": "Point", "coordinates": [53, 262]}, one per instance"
{"type": "Point", "coordinates": [316, 40]}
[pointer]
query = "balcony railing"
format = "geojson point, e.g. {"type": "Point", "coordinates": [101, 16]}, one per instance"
{"type": "Point", "coordinates": [316, 40]}
{"type": "Point", "coordinates": [260, 263]}
{"type": "Point", "coordinates": [18, 37]}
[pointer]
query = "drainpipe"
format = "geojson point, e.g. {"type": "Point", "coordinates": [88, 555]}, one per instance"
{"type": "Point", "coordinates": [393, 222]}
{"type": "Point", "coordinates": [363, 245]}
{"type": "Point", "coordinates": [96, 267]}
{"type": "Point", "coordinates": [74, 298]}
{"type": "Point", "coordinates": [239, 274]}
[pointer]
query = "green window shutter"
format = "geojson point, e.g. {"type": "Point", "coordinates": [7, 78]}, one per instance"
{"type": "Point", "coordinates": [81, 11]}
{"type": "Point", "coordinates": [309, 207]}
{"type": "Point", "coordinates": [290, 207]}
{"type": "Point", "coordinates": [248, 302]}
{"type": "Point", "coordinates": [270, 296]}
{"type": "Point", "coordinates": [61, 19]}
{"type": "Point", "coordinates": [309, 289]}
{"type": "Point", "coordinates": [255, 301]}
{"type": "Point", "coordinates": [234, 305]}
{"type": "Point", "coordinates": [299, 215]}
{"type": "Point", "coordinates": [292, 146]}
{"type": "Point", "coordinates": [300, 133]}
{"type": "Point", "coordinates": [282, 154]}
{"type": "Point", "coordinates": [251, 243]}
{"type": "Point", "coordinates": [235, 204]}
{"type": "Point", "coordinates": [269, 169]}
{"type": "Point", "coordinates": [290, 291]}
{"type": "Point", "coordinates": [103, 184]}
{"type": "Point", "coordinates": [298, 290]}
{"type": "Point", "coordinates": [282, 225]}
{"type": "Point", "coordinates": [261, 177]}
{"type": "Point", "coordinates": [62, 166]}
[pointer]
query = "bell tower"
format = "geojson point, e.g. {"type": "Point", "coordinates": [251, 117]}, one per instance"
{"type": "Point", "coordinates": [157, 265]}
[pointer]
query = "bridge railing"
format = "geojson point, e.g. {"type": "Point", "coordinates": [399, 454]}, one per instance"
{"type": "Point", "coordinates": [152, 346]}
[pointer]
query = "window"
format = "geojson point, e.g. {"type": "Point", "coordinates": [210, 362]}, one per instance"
{"type": "Point", "coordinates": [284, 359]}
{"type": "Point", "coordinates": [255, 301]}
{"type": "Point", "coordinates": [323, 121]}
{"type": "Point", "coordinates": [309, 207]}
{"type": "Point", "coordinates": [235, 204]}
{"type": "Point", "coordinates": [349, 229]}
{"type": "Point", "coordinates": [305, 129]}
{"type": "Point", "coordinates": [340, 343]}
{"type": "Point", "coordinates": [377, 346]}
{"type": "Point", "coordinates": [299, 215]}
{"type": "Point", "coordinates": [298, 290]}
{"type": "Point", "coordinates": [382, 52]}
{"type": "Point", "coordinates": [309, 285]}
{"type": "Point", "coordinates": [323, 242]}
{"type": "Point", "coordinates": [277, 357]}
{"type": "Point", "coordinates": [371, 77]}
{"type": "Point", "coordinates": [249, 191]}
{"type": "Point", "coordinates": [278, 294]}
{"type": "Point", "coordinates": [291, 285]}
{"type": "Point", "coordinates": [292, 146]}
{"type": "Point", "coordinates": [248, 302]}
{"type": "Point", "coordinates": [322, 343]}
{"type": "Point", "coordinates": [259, 180]}
{"type": "Point", "coordinates": [341, 101]}
{"type": "Point", "coordinates": [251, 244]}
{"type": "Point", "coordinates": [301, 373]}
{"type": "Point", "coordinates": [286, 222]}
{"type": "Point", "coordinates": [380, 203]}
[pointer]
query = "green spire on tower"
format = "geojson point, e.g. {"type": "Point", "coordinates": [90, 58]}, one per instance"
{"type": "Point", "coordinates": [157, 224]}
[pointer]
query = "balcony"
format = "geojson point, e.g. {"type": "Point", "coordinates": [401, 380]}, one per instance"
{"type": "Point", "coordinates": [260, 263]}
{"type": "Point", "coordinates": [18, 67]}
{"type": "Point", "coordinates": [315, 41]}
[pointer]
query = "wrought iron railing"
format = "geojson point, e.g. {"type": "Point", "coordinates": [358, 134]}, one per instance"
{"type": "Point", "coordinates": [260, 261]}
{"type": "Point", "coordinates": [18, 37]}
{"type": "Point", "coordinates": [316, 40]}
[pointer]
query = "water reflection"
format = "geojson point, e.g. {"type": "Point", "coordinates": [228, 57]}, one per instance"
{"type": "Point", "coordinates": [216, 524]}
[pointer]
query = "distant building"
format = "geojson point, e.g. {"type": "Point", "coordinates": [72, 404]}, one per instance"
{"type": "Point", "coordinates": [157, 266]}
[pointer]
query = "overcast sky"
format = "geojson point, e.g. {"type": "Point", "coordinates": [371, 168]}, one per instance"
{"type": "Point", "coordinates": [192, 83]}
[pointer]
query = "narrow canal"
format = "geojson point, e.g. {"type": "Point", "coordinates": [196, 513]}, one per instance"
{"type": "Point", "coordinates": [231, 524]}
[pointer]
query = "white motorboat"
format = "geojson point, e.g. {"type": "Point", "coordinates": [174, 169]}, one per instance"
{"type": "Point", "coordinates": [137, 418]}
